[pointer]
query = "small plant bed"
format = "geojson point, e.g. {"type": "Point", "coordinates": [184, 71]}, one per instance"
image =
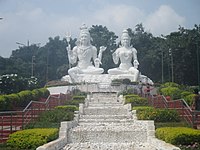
{"type": "Point", "coordinates": [184, 138]}
{"type": "Point", "coordinates": [31, 138]}
{"type": "Point", "coordinates": [52, 118]}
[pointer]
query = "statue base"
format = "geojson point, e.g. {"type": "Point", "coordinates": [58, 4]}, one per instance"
{"type": "Point", "coordinates": [105, 78]}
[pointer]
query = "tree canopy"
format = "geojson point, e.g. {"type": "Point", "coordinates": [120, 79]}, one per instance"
{"type": "Point", "coordinates": [165, 58]}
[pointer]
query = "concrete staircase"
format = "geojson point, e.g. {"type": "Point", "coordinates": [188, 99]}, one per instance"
{"type": "Point", "coordinates": [105, 123]}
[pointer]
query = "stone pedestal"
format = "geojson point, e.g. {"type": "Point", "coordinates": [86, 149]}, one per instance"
{"type": "Point", "coordinates": [105, 78]}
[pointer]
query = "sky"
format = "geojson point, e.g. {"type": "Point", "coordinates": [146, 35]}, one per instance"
{"type": "Point", "coordinates": [37, 20]}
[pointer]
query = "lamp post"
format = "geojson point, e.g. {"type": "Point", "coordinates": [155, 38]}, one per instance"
{"type": "Point", "coordinates": [162, 68]}
{"type": "Point", "coordinates": [32, 66]}
{"type": "Point", "coordinates": [198, 74]}
{"type": "Point", "coordinates": [170, 54]}
{"type": "Point", "coordinates": [33, 57]}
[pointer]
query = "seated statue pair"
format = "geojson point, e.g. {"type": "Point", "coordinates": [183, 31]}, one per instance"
{"type": "Point", "coordinates": [84, 53]}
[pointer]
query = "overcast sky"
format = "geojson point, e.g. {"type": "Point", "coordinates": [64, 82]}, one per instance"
{"type": "Point", "coordinates": [37, 20]}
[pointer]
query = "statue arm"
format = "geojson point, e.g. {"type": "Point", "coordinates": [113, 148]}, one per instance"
{"type": "Point", "coordinates": [135, 60]}
{"type": "Point", "coordinates": [102, 49]}
{"type": "Point", "coordinates": [72, 55]}
{"type": "Point", "coordinates": [115, 56]}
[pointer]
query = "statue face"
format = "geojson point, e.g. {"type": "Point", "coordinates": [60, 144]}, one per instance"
{"type": "Point", "coordinates": [84, 39]}
{"type": "Point", "coordinates": [125, 41]}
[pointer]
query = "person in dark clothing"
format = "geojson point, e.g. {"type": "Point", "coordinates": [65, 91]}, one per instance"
{"type": "Point", "coordinates": [196, 101]}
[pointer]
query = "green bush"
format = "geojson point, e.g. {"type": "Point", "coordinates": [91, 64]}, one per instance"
{"type": "Point", "coordinates": [12, 101]}
{"type": "Point", "coordinates": [116, 82]}
{"type": "Point", "coordinates": [173, 92]}
{"type": "Point", "coordinates": [3, 104]}
{"type": "Point", "coordinates": [25, 98]}
{"type": "Point", "coordinates": [52, 118]}
{"type": "Point", "coordinates": [37, 94]}
{"type": "Point", "coordinates": [21, 99]}
{"type": "Point", "coordinates": [31, 138]}
{"type": "Point", "coordinates": [189, 99]}
{"type": "Point", "coordinates": [136, 100]}
{"type": "Point", "coordinates": [78, 97]}
{"type": "Point", "coordinates": [76, 100]}
{"type": "Point", "coordinates": [67, 108]}
{"type": "Point", "coordinates": [158, 115]}
{"type": "Point", "coordinates": [45, 92]}
{"type": "Point", "coordinates": [178, 135]}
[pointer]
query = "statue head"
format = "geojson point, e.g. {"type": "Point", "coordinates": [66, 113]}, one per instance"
{"type": "Point", "coordinates": [84, 36]}
{"type": "Point", "coordinates": [125, 38]}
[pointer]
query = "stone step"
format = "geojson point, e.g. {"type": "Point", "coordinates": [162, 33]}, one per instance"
{"type": "Point", "coordinates": [107, 134]}
{"type": "Point", "coordinates": [96, 117]}
{"type": "Point", "coordinates": [108, 146]}
{"type": "Point", "coordinates": [94, 104]}
{"type": "Point", "coordinates": [105, 111]}
{"type": "Point", "coordinates": [113, 122]}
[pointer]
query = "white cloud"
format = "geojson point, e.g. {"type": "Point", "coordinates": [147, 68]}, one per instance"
{"type": "Point", "coordinates": [37, 25]}
{"type": "Point", "coordinates": [163, 21]}
{"type": "Point", "coordinates": [118, 17]}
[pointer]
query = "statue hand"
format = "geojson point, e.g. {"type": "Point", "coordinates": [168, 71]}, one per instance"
{"type": "Point", "coordinates": [70, 52]}
{"type": "Point", "coordinates": [102, 48]}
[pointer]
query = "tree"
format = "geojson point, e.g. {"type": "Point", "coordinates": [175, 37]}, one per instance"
{"type": "Point", "coordinates": [101, 36]}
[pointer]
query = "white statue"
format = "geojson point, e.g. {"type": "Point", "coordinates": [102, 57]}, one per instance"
{"type": "Point", "coordinates": [125, 53]}
{"type": "Point", "coordinates": [84, 53]}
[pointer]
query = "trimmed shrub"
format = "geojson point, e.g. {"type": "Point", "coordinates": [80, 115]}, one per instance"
{"type": "Point", "coordinates": [25, 98]}
{"type": "Point", "coordinates": [31, 138]}
{"type": "Point", "coordinates": [173, 92]}
{"type": "Point", "coordinates": [178, 135]}
{"type": "Point", "coordinates": [3, 105]}
{"type": "Point", "coordinates": [45, 92]}
{"type": "Point", "coordinates": [12, 101]}
{"type": "Point", "coordinates": [116, 82]}
{"type": "Point", "coordinates": [136, 100]}
{"type": "Point", "coordinates": [189, 99]}
{"type": "Point", "coordinates": [37, 94]}
{"type": "Point", "coordinates": [158, 115]}
{"type": "Point", "coordinates": [67, 108]}
{"type": "Point", "coordinates": [52, 118]}
{"type": "Point", "coordinates": [78, 97]}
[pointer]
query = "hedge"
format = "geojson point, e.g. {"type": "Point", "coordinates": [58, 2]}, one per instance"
{"type": "Point", "coordinates": [52, 118]}
{"type": "Point", "coordinates": [21, 99]}
{"type": "Point", "coordinates": [76, 100]}
{"type": "Point", "coordinates": [136, 100]}
{"type": "Point", "coordinates": [158, 115]}
{"type": "Point", "coordinates": [31, 138]}
{"type": "Point", "coordinates": [178, 135]}
{"type": "Point", "coordinates": [173, 92]}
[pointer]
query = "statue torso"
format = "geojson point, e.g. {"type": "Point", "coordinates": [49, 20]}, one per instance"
{"type": "Point", "coordinates": [85, 55]}
{"type": "Point", "coordinates": [125, 56]}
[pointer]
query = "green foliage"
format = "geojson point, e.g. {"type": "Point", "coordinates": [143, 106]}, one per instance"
{"type": "Point", "coordinates": [44, 92]}
{"type": "Point", "coordinates": [77, 97]}
{"type": "Point", "coordinates": [116, 82]}
{"type": "Point", "coordinates": [52, 118]}
{"type": "Point", "coordinates": [76, 100]}
{"type": "Point", "coordinates": [21, 99]}
{"type": "Point", "coordinates": [173, 92]}
{"type": "Point", "coordinates": [67, 108]}
{"type": "Point", "coordinates": [25, 98]}
{"type": "Point", "coordinates": [178, 135]}
{"type": "Point", "coordinates": [13, 83]}
{"type": "Point", "coordinates": [189, 99]}
{"type": "Point", "coordinates": [136, 100]}
{"type": "Point", "coordinates": [31, 138]}
{"type": "Point", "coordinates": [158, 115]}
